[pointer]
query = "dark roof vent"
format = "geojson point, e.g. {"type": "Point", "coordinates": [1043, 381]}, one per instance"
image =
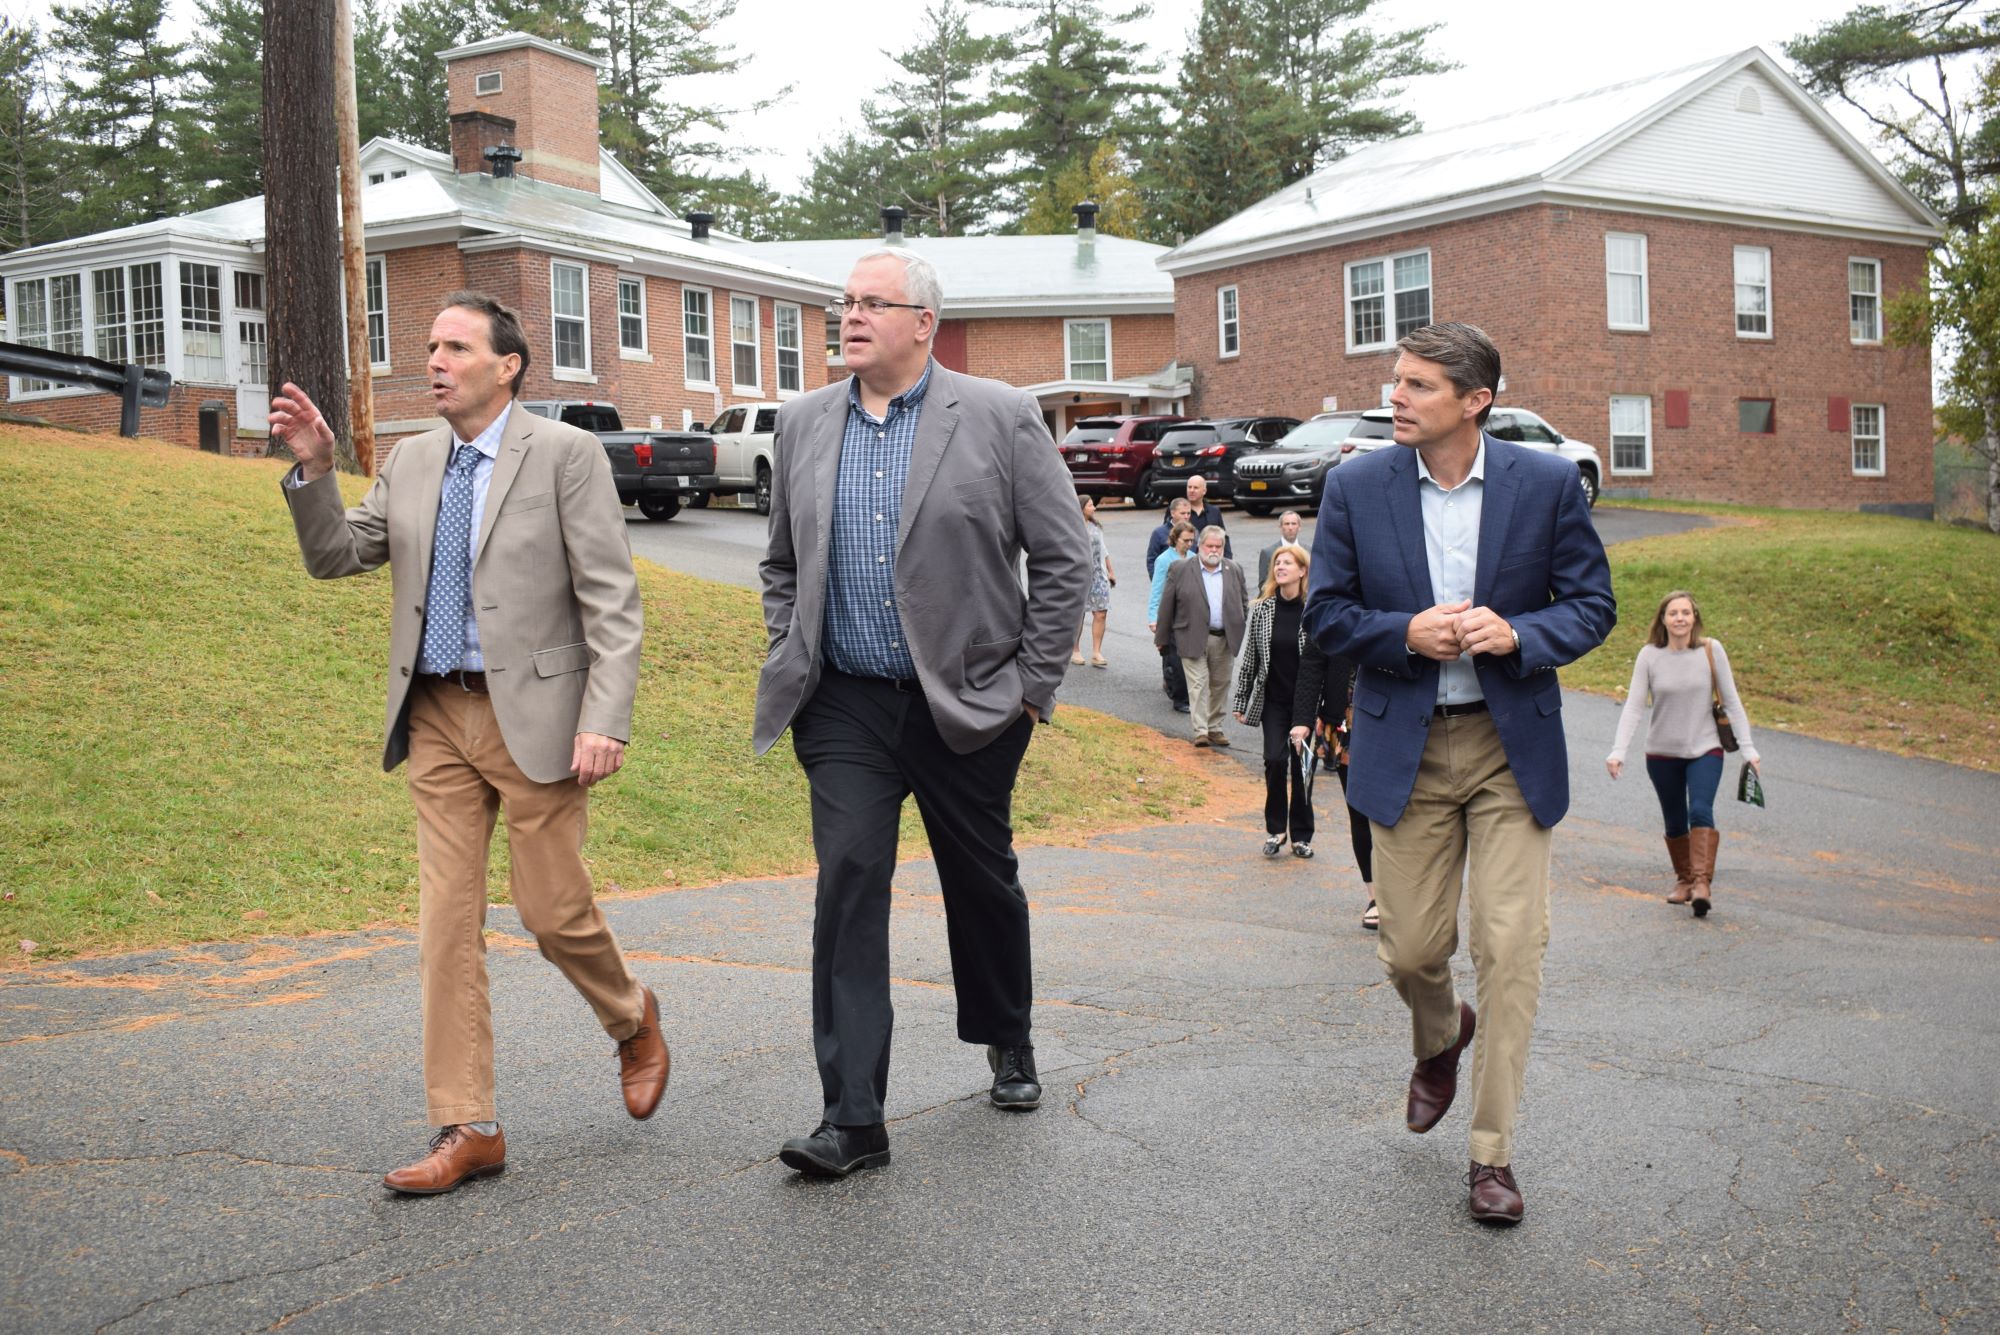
{"type": "Point", "coordinates": [503, 157]}
{"type": "Point", "coordinates": [698, 224]}
{"type": "Point", "coordinates": [1086, 217]}
{"type": "Point", "coordinates": [892, 223]}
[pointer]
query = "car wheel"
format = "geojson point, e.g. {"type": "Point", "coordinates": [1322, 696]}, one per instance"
{"type": "Point", "coordinates": [763, 490]}
{"type": "Point", "coordinates": [697, 500]}
{"type": "Point", "coordinates": [1589, 486]}
{"type": "Point", "coordinates": [659, 507]}
{"type": "Point", "coordinates": [1257, 508]}
{"type": "Point", "coordinates": [1143, 495]}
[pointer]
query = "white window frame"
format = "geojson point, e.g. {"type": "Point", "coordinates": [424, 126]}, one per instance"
{"type": "Point", "coordinates": [1737, 285]}
{"type": "Point", "coordinates": [220, 360]}
{"type": "Point", "coordinates": [643, 352]}
{"type": "Point", "coordinates": [376, 178]}
{"type": "Point", "coordinates": [482, 88]}
{"type": "Point", "coordinates": [375, 302]}
{"type": "Point", "coordinates": [1612, 274]}
{"type": "Point", "coordinates": [1854, 439]}
{"type": "Point", "coordinates": [558, 318]}
{"type": "Point", "coordinates": [1069, 361]}
{"type": "Point", "coordinates": [1387, 296]}
{"type": "Point", "coordinates": [706, 338]}
{"type": "Point", "coordinates": [756, 344]}
{"type": "Point", "coordinates": [797, 348]}
{"type": "Point", "coordinates": [1875, 296]}
{"type": "Point", "coordinates": [1228, 322]}
{"type": "Point", "coordinates": [1646, 402]}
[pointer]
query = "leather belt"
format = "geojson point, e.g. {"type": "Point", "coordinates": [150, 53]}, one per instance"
{"type": "Point", "coordinates": [1218, 632]}
{"type": "Point", "coordinates": [1460, 711]}
{"type": "Point", "coordinates": [473, 683]}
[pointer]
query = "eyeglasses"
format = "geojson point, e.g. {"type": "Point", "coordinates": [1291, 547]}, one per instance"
{"type": "Point", "coordinates": [873, 305]}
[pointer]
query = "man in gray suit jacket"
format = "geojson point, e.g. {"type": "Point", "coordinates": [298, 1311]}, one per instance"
{"type": "Point", "coordinates": [906, 658]}
{"type": "Point", "coordinates": [1201, 620]}
{"type": "Point", "coordinates": [518, 699]}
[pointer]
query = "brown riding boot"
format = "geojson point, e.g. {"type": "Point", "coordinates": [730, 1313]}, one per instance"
{"type": "Point", "coordinates": [1702, 840]}
{"type": "Point", "coordinates": [1677, 849]}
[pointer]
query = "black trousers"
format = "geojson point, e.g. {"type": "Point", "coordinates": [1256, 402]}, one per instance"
{"type": "Point", "coordinates": [1173, 676]}
{"type": "Point", "coordinates": [1284, 768]}
{"type": "Point", "coordinates": [865, 745]}
{"type": "Point", "coordinates": [1362, 836]}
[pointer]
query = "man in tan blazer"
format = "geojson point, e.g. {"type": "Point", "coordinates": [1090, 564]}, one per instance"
{"type": "Point", "coordinates": [1201, 620]}
{"type": "Point", "coordinates": [907, 658]}
{"type": "Point", "coordinates": [513, 658]}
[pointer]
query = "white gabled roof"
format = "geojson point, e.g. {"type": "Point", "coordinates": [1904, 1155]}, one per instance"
{"type": "Point", "coordinates": [1011, 275]}
{"type": "Point", "coordinates": [1671, 142]}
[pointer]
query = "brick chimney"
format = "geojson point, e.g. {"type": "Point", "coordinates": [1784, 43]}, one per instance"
{"type": "Point", "coordinates": [545, 97]}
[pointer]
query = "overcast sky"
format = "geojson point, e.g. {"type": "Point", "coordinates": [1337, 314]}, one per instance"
{"type": "Point", "coordinates": [1513, 53]}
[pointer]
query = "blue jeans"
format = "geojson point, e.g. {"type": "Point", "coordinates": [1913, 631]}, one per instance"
{"type": "Point", "coordinates": [1686, 789]}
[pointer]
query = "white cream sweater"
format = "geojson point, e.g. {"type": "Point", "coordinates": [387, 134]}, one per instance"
{"type": "Point", "coordinates": [1676, 684]}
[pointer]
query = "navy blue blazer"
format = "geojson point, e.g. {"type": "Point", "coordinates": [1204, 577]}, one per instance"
{"type": "Point", "coordinates": [1540, 565]}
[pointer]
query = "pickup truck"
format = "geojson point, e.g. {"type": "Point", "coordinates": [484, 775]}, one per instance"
{"type": "Point", "coordinates": [743, 453]}
{"type": "Point", "coordinates": [653, 469]}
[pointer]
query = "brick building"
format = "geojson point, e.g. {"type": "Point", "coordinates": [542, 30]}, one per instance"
{"type": "Point", "coordinates": [1688, 270]}
{"type": "Point", "coordinates": [1083, 322]}
{"type": "Point", "coordinates": [622, 301]}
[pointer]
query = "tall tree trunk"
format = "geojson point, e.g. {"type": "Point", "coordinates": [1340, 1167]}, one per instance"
{"type": "Point", "coordinates": [308, 343]}
{"type": "Point", "coordinates": [1991, 449]}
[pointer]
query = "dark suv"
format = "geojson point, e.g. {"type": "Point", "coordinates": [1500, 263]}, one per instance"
{"type": "Point", "coordinates": [1113, 456]}
{"type": "Point", "coordinates": [1211, 449]}
{"type": "Point", "coordinates": [1292, 473]}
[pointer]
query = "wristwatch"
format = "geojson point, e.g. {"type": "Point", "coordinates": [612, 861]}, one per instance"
{"type": "Point", "coordinates": [1517, 638]}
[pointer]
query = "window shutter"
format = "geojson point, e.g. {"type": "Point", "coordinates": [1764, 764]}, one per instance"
{"type": "Point", "coordinates": [1837, 414]}
{"type": "Point", "coordinates": [1677, 408]}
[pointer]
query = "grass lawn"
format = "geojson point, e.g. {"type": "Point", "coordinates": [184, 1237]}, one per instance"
{"type": "Point", "coordinates": [1856, 628]}
{"type": "Point", "coordinates": [193, 727]}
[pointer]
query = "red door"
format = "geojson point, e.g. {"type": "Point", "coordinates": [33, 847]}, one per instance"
{"type": "Point", "coordinates": [948, 344]}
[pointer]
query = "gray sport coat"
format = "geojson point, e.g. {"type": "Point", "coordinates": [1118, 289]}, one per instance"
{"type": "Point", "coordinates": [985, 486]}
{"type": "Point", "coordinates": [1183, 621]}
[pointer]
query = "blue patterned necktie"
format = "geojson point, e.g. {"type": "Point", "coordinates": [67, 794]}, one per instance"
{"type": "Point", "coordinates": [450, 599]}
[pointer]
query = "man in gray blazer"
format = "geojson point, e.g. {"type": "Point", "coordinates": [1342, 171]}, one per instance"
{"type": "Point", "coordinates": [1201, 620]}
{"type": "Point", "coordinates": [906, 658]}
{"type": "Point", "coordinates": [513, 658]}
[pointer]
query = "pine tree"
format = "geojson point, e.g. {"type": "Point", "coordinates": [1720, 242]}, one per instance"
{"type": "Point", "coordinates": [374, 75]}
{"type": "Point", "coordinates": [1338, 73]}
{"type": "Point", "coordinates": [121, 113]}
{"type": "Point", "coordinates": [850, 179]}
{"type": "Point", "coordinates": [420, 106]}
{"type": "Point", "coordinates": [939, 123]}
{"type": "Point", "coordinates": [560, 21]}
{"type": "Point", "coordinates": [225, 144]}
{"type": "Point", "coordinates": [30, 202]}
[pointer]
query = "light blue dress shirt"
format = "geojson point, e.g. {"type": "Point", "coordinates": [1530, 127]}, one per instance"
{"type": "Point", "coordinates": [1451, 548]}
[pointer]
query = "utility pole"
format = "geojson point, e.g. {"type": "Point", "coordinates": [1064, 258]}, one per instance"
{"type": "Point", "coordinates": [353, 244]}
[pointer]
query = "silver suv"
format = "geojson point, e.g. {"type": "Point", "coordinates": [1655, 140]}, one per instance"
{"type": "Point", "coordinates": [1523, 428]}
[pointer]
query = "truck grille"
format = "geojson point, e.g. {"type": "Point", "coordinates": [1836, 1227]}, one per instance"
{"type": "Point", "coordinates": [1259, 468]}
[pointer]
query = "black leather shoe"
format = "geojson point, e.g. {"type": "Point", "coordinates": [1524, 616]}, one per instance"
{"type": "Point", "coordinates": [836, 1151]}
{"type": "Point", "coordinates": [1016, 1087]}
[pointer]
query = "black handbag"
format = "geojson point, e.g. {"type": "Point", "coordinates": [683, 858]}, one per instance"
{"type": "Point", "coordinates": [1722, 726]}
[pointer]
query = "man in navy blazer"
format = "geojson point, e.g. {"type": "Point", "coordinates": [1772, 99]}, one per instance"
{"type": "Point", "coordinates": [1459, 572]}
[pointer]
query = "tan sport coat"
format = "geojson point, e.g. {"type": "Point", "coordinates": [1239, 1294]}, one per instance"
{"type": "Point", "coordinates": [1183, 620]}
{"type": "Point", "coordinates": [985, 486]}
{"type": "Point", "coordinates": [552, 582]}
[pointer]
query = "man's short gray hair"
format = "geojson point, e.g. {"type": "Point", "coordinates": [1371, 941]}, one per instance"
{"type": "Point", "coordinates": [920, 276]}
{"type": "Point", "coordinates": [1214, 530]}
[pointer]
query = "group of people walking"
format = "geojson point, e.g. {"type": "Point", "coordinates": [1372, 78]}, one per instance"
{"type": "Point", "coordinates": [926, 567]}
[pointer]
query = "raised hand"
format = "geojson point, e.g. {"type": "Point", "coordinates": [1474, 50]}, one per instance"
{"type": "Point", "coordinates": [296, 420]}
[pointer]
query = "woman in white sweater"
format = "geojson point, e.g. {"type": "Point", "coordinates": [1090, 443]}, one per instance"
{"type": "Point", "coordinates": [1677, 672]}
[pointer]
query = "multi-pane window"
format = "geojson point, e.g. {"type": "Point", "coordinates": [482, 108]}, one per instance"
{"type": "Point", "coordinates": [1864, 301]}
{"type": "Point", "coordinates": [568, 307]}
{"type": "Point", "coordinates": [1631, 433]}
{"type": "Point", "coordinates": [377, 289]}
{"type": "Point", "coordinates": [201, 322]}
{"type": "Point", "coordinates": [696, 336]}
{"type": "Point", "coordinates": [632, 314]}
{"type": "Point", "coordinates": [66, 314]}
{"type": "Point", "coordinates": [1625, 280]}
{"type": "Point", "coordinates": [743, 342]}
{"type": "Point", "coordinates": [249, 291]}
{"type": "Point", "coordinates": [1228, 327]}
{"type": "Point", "coordinates": [109, 338]}
{"type": "Point", "coordinates": [252, 362]}
{"type": "Point", "coordinates": [790, 339]}
{"type": "Point", "coordinates": [1387, 298]}
{"type": "Point", "coordinates": [1089, 344]}
{"type": "Point", "coordinates": [1753, 292]}
{"type": "Point", "coordinates": [1866, 432]}
{"type": "Point", "coordinates": [149, 314]}
{"type": "Point", "coordinates": [31, 323]}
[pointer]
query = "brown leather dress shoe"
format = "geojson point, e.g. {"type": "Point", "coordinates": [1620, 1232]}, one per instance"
{"type": "Point", "coordinates": [1434, 1082]}
{"type": "Point", "coordinates": [457, 1153]}
{"type": "Point", "coordinates": [644, 1062]}
{"type": "Point", "coordinates": [1495, 1198]}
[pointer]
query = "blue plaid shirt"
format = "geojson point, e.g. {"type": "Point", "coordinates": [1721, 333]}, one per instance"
{"type": "Point", "coordinates": [864, 635]}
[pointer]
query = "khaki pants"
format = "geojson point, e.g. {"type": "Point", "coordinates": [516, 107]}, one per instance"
{"type": "Point", "coordinates": [460, 778]}
{"type": "Point", "coordinates": [1208, 686]}
{"type": "Point", "coordinates": [1466, 814]}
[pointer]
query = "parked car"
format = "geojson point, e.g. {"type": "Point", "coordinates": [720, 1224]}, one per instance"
{"type": "Point", "coordinates": [1292, 473]}
{"type": "Point", "coordinates": [1211, 449]}
{"type": "Point", "coordinates": [653, 469]}
{"type": "Point", "coordinates": [743, 453]}
{"type": "Point", "coordinates": [1523, 428]}
{"type": "Point", "coordinates": [1113, 456]}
